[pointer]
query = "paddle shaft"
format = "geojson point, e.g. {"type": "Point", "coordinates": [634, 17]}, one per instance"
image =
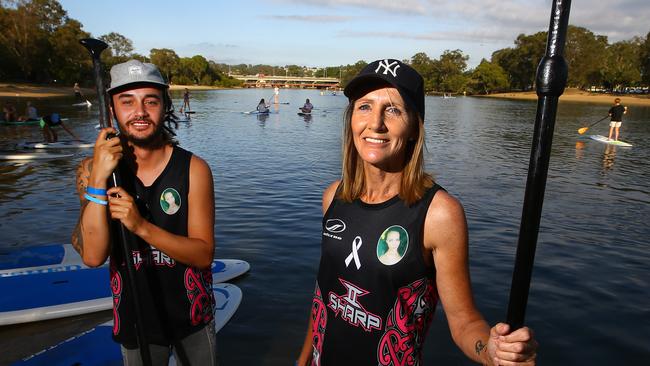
{"type": "Point", "coordinates": [95, 47]}
{"type": "Point", "coordinates": [551, 79]}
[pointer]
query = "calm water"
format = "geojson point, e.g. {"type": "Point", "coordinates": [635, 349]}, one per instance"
{"type": "Point", "coordinates": [590, 296]}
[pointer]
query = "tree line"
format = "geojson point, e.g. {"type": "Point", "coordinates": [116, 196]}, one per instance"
{"type": "Point", "coordinates": [39, 43]}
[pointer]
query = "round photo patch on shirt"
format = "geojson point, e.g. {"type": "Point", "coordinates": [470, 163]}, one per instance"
{"type": "Point", "coordinates": [170, 201]}
{"type": "Point", "coordinates": [392, 245]}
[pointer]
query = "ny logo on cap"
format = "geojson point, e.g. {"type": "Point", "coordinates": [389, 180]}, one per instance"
{"type": "Point", "coordinates": [135, 70]}
{"type": "Point", "coordinates": [387, 67]}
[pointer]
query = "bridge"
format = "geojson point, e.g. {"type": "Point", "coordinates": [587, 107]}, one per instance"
{"type": "Point", "coordinates": [267, 81]}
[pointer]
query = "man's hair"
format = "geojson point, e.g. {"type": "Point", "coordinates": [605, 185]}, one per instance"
{"type": "Point", "coordinates": [617, 100]}
{"type": "Point", "coordinates": [415, 181]}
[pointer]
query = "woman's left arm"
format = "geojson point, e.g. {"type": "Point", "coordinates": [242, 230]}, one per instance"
{"type": "Point", "coordinates": [446, 239]}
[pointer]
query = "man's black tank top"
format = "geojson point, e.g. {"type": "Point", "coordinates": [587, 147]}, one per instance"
{"type": "Point", "coordinates": [177, 299]}
{"type": "Point", "coordinates": [374, 296]}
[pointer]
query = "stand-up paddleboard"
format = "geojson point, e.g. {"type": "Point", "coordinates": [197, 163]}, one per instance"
{"type": "Point", "coordinates": [42, 257]}
{"type": "Point", "coordinates": [82, 104]}
{"type": "Point", "coordinates": [605, 140]}
{"type": "Point", "coordinates": [48, 290]}
{"type": "Point", "coordinates": [4, 155]}
{"type": "Point", "coordinates": [304, 114]}
{"type": "Point", "coordinates": [256, 112]}
{"type": "Point", "coordinates": [20, 123]}
{"type": "Point", "coordinates": [95, 347]}
{"type": "Point", "coordinates": [67, 144]}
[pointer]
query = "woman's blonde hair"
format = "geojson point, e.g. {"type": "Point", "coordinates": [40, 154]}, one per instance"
{"type": "Point", "coordinates": [415, 181]}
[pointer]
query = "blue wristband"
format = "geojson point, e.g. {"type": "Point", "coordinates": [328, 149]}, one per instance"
{"type": "Point", "coordinates": [97, 191]}
{"type": "Point", "coordinates": [96, 200]}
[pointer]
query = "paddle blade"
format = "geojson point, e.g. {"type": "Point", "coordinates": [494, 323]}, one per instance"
{"type": "Point", "coordinates": [582, 130]}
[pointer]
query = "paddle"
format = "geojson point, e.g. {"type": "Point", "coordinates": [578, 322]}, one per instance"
{"type": "Point", "coordinates": [584, 129]}
{"type": "Point", "coordinates": [551, 79]}
{"type": "Point", "coordinates": [95, 47]}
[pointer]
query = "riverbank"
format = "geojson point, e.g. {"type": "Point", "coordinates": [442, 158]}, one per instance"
{"type": "Point", "coordinates": [20, 90]}
{"type": "Point", "coordinates": [577, 95]}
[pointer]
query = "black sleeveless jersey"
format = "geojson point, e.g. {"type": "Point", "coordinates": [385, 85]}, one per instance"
{"type": "Point", "coordinates": [374, 296]}
{"type": "Point", "coordinates": [177, 299]}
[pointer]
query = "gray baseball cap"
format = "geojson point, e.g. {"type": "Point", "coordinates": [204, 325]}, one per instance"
{"type": "Point", "coordinates": [135, 72]}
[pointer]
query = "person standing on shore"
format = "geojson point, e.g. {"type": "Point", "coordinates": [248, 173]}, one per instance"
{"type": "Point", "coordinates": [616, 113]}
{"type": "Point", "coordinates": [172, 245]}
{"type": "Point", "coordinates": [366, 311]}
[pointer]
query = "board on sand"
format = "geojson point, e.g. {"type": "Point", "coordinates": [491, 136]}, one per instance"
{"type": "Point", "coordinates": [48, 290]}
{"type": "Point", "coordinates": [95, 346]}
{"type": "Point", "coordinates": [4, 155]}
{"type": "Point", "coordinates": [67, 144]}
{"type": "Point", "coordinates": [605, 140]}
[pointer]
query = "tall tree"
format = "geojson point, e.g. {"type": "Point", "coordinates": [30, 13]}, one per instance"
{"type": "Point", "coordinates": [425, 66]}
{"type": "Point", "coordinates": [119, 45]}
{"type": "Point", "coordinates": [585, 55]}
{"type": "Point", "coordinates": [622, 64]}
{"type": "Point", "coordinates": [644, 59]}
{"type": "Point", "coordinates": [488, 77]}
{"type": "Point", "coordinates": [167, 61]}
{"type": "Point", "coordinates": [520, 62]}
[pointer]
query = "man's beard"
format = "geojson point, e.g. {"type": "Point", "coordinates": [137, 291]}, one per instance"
{"type": "Point", "coordinates": [153, 141]}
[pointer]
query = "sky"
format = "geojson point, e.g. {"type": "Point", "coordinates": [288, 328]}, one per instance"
{"type": "Point", "coordinates": [318, 33]}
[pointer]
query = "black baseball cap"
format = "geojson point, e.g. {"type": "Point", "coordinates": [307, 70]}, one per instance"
{"type": "Point", "coordinates": [395, 73]}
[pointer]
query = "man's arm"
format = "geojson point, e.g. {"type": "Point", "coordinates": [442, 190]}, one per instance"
{"type": "Point", "coordinates": [92, 225]}
{"type": "Point", "coordinates": [197, 248]}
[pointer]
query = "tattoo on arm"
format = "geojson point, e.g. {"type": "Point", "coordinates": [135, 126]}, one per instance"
{"type": "Point", "coordinates": [83, 174]}
{"type": "Point", "coordinates": [479, 346]}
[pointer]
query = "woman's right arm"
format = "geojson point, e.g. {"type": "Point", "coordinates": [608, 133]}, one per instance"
{"type": "Point", "coordinates": [91, 235]}
{"type": "Point", "coordinates": [306, 352]}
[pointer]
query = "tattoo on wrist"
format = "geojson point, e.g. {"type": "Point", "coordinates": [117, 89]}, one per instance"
{"type": "Point", "coordinates": [479, 346]}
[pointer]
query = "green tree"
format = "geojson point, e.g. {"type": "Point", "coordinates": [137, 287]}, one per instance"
{"type": "Point", "coordinates": [449, 71]}
{"type": "Point", "coordinates": [585, 55]}
{"type": "Point", "coordinates": [349, 71]}
{"type": "Point", "coordinates": [520, 63]}
{"type": "Point", "coordinates": [622, 64]}
{"type": "Point", "coordinates": [119, 45]}
{"type": "Point", "coordinates": [426, 67]}
{"type": "Point", "coordinates": [488, 77]}
{"type": "Point", "coordinates": [70, 62]}
{"type": "Point", "coordinates": [167, 61]}
{"type": "Point", "coordinates": [644, 60]}
{"type": "Point", "coordinates": [198, 68]}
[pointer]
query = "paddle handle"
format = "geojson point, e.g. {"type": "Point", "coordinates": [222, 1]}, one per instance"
{"type": "Point", "coordinates": [600, 120]}
{"type": "Point", "coordinates": [95, 48]}
{"type": "Point", "coordinates": [551, 78]}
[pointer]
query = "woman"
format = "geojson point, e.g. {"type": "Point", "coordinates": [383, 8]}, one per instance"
{"type": "Point", "coordinates": [364, 311]}
{"type": "Point", "coordinates": [262, 107]}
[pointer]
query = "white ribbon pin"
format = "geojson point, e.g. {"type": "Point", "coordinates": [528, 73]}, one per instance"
{"type": "Point", "coordinates": [356, 244]}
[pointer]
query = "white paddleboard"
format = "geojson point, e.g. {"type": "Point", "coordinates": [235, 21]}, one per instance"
{"type": "Point", "coordinates": [32, 156]}
{"type": "Point", "coordinates": [56, 284]}
{"type": "Point", "coordinates": [82, 104]}
{"type": "Point", "coordinates": [96, 347]}
{"type": "Point", "coordinates": [67, 144]}
{"type": "Point", "coordinates": [605, 140]}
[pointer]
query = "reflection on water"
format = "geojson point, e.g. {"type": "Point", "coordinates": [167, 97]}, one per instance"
{"type": "Point", "coordinates": [269, 173]}
{"type": "Point", "coordinates": [608, 157]}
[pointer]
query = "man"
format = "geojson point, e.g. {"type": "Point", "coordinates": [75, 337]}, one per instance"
{"type": "Point", "coordinates": [77, 93]}
{"type": "Point", "coordinates": [48, 123]}
{"type": "Point", "coordinates": [616, 113]}
{"type": "Point", "coordinates": [171, 249]}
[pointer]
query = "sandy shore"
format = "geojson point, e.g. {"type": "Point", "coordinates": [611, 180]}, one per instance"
{"type": "Point", "coordinates": [576, 95]}
{"type": "Point", "coordinates": [19, 90]}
